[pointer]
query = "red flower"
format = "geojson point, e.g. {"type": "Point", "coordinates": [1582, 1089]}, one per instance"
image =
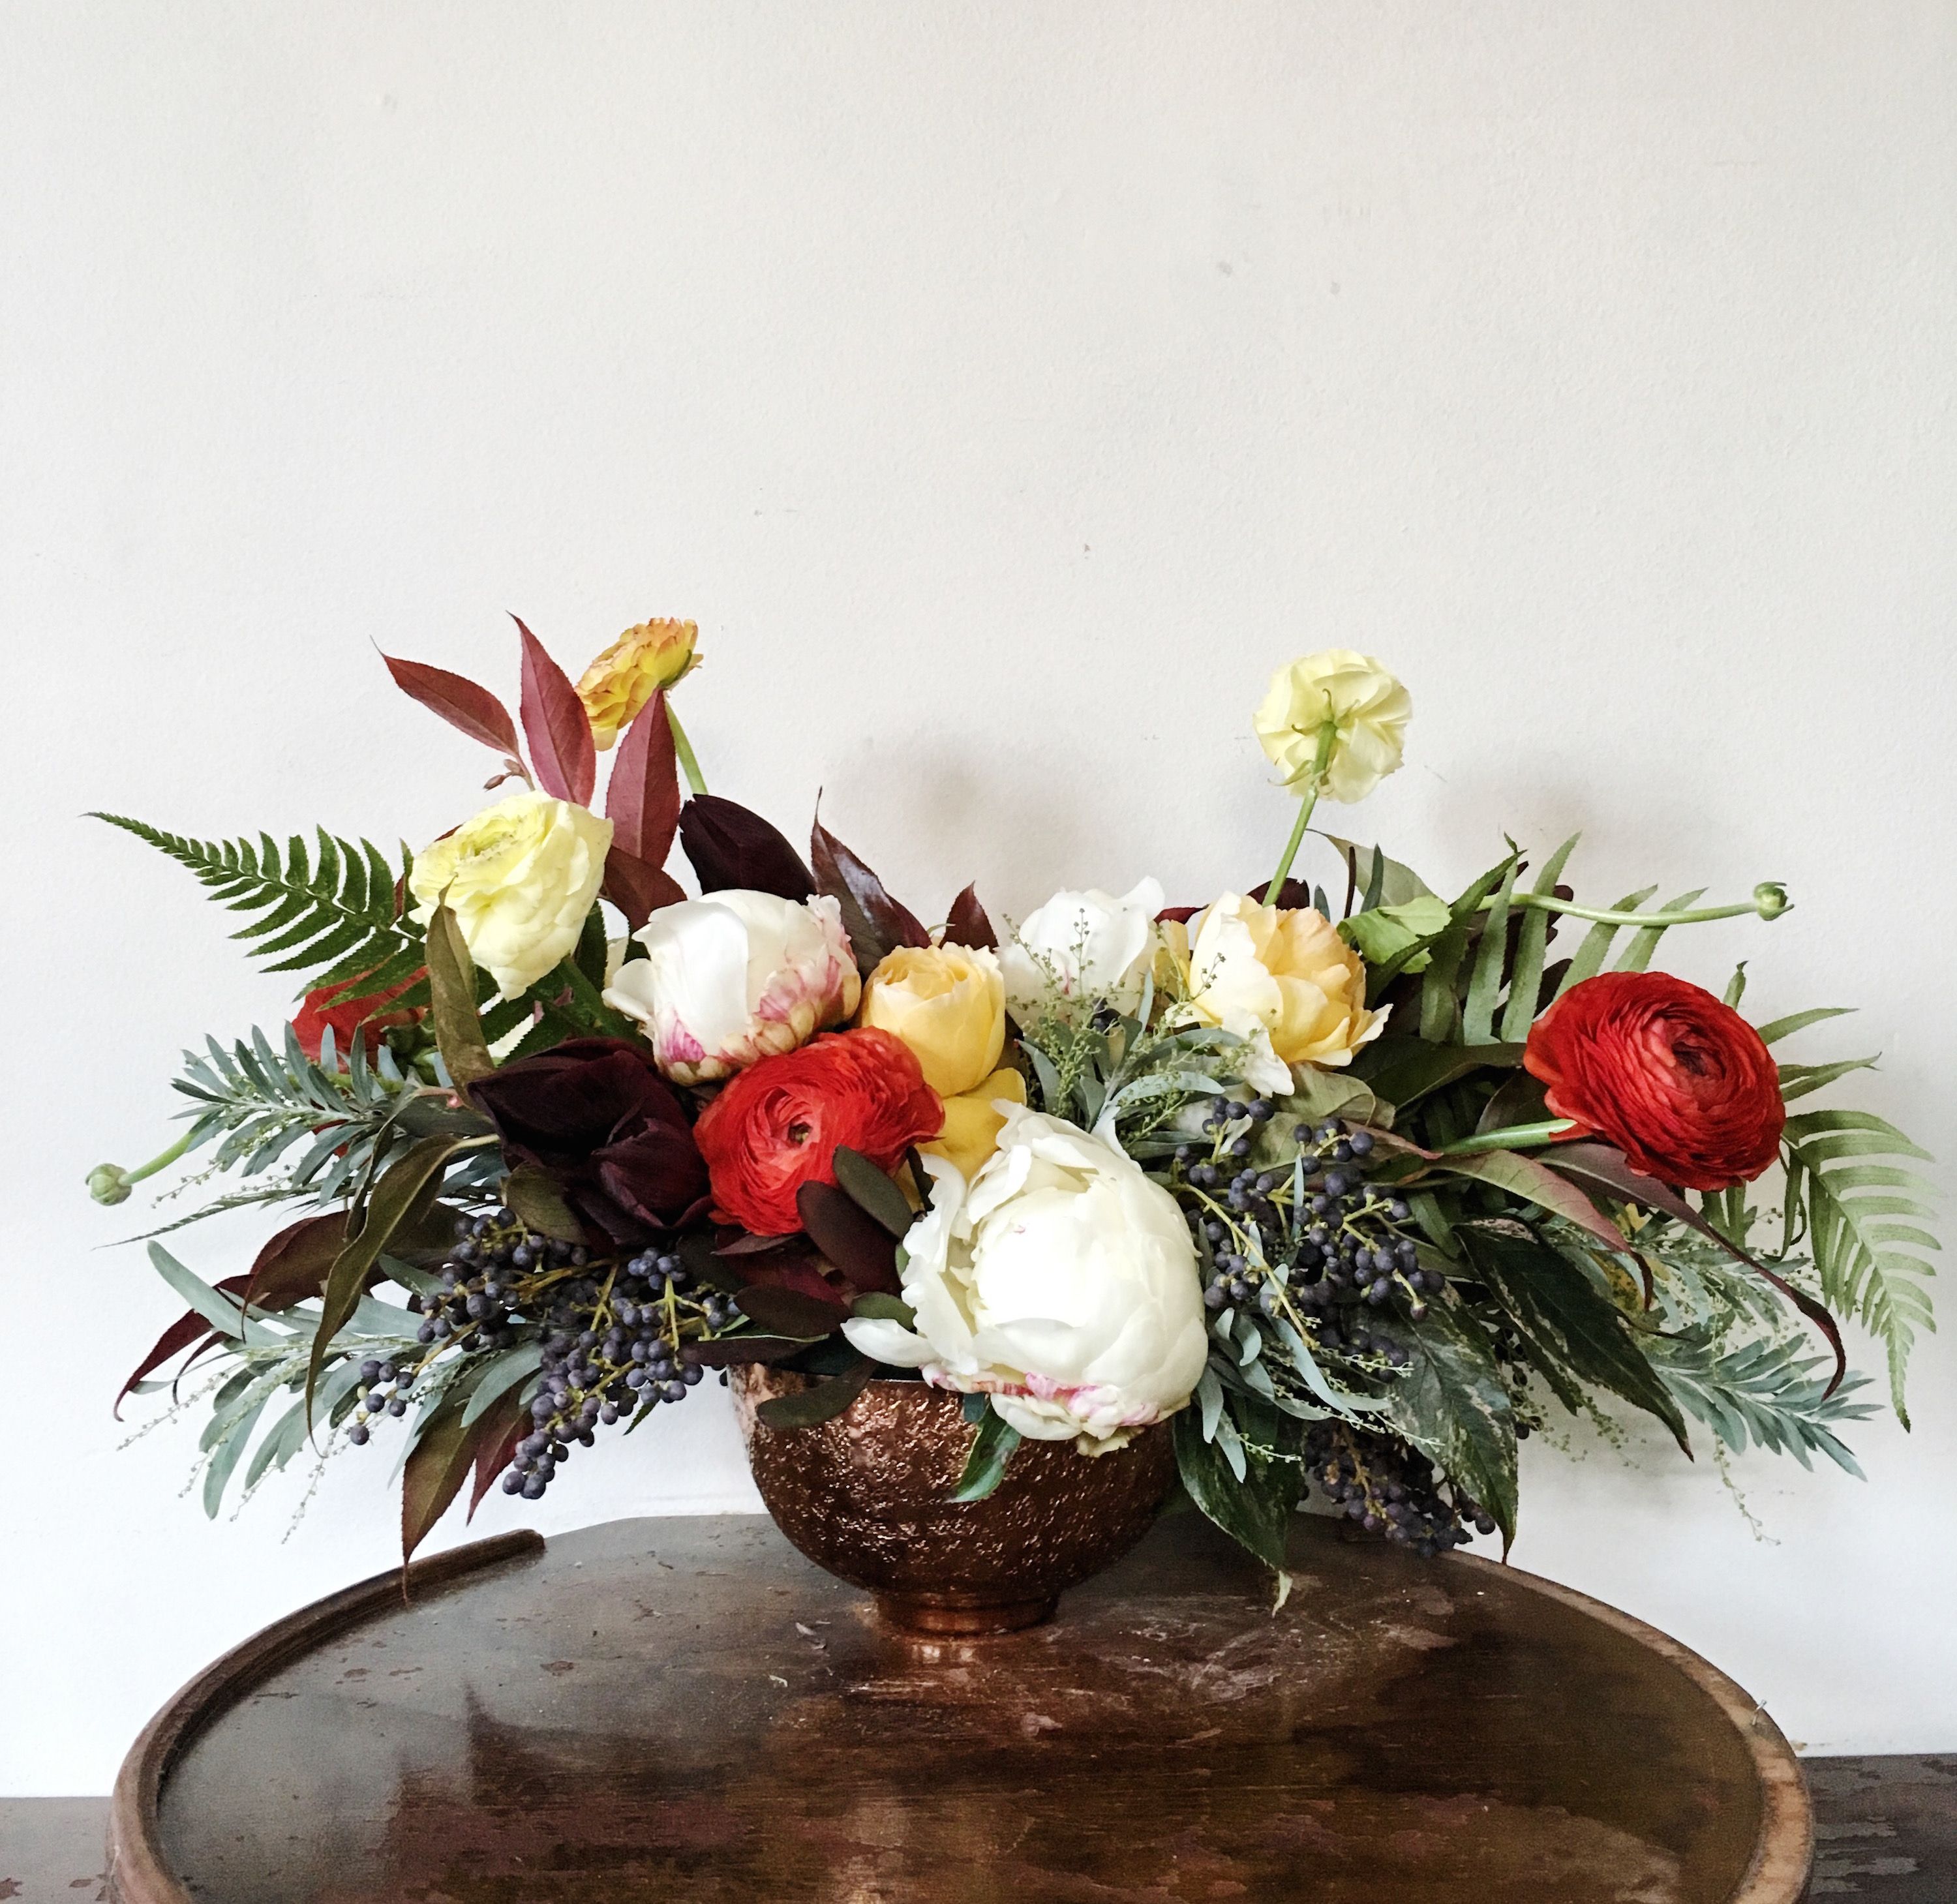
{"type": "Point", "coordinates": [348, 1013]}
{"type": "Point", "coordinates": [777, 1125]}
{"type": "Point", "coordinates": [1677, 1081]}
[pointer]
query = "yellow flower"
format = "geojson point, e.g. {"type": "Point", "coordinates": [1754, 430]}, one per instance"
{"type": "Point", "coordinates": [1285, 977]}
{"type": "Point", "coordinates": [1366, 707]}
{"type": "Point", "coordinates": [971, 1126]}
{"type": "Point", "coordinates": [521, 878]}
{"type": "Point", "coordinates": [643, 659]}
{"type": "Point", "coordinates": [948, 1004]}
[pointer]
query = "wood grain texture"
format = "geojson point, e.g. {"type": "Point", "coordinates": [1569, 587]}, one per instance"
{"type": "Point", "coordinates": [658, 1709]}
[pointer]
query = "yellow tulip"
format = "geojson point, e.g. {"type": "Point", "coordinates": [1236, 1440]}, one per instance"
{"type": "Point", "coordinates": [948, 1004]}
{"type": "Point", "coordinates": [643, 659]}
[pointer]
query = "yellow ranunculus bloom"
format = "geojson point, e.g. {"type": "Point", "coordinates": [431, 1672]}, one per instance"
{"type": "Point", "coordinates": [948, 1004]}
{"type": "Point", "coordinates": [1368, 710]}
{"type": "Point", "coordinates": [643, 660]}
{"type": "Point", "coordinates": [520, 877]}
{"type": "Point", "coordinates": [1286, 976]}
{"type": "Point", "coordinates": [971, 1126]}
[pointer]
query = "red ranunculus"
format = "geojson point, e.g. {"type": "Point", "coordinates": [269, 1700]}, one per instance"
{"type": "Point", "coordinates": [1677, 1081]}
{"type": "Point", "coordinates": [777, 1125]}
{"type": "Point", "coordinates": [350, 1013]}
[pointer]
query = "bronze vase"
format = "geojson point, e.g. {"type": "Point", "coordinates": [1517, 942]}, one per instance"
{"type": "Point", "coordinates": [866, 1495]}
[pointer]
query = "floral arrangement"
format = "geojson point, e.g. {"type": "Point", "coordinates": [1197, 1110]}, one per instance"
{"type": "Point", "coordinates": [1354, 1196]}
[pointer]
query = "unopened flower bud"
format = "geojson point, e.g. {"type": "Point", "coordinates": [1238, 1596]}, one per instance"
{"type": "Point", "coordinates": [1770, 899]}
{"type": "Point", "coordinates": [109, 1183]}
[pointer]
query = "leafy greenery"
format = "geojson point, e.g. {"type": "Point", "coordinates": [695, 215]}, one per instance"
{"type": "Point", "coordinates": [328, 911]}
{"type": "Point", "coordinates": [1766, 1392]}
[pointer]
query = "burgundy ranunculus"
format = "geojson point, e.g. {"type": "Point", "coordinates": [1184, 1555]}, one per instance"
{"type": "Point", "coordinates": [1678, 1080]}
{"type": "Point", "coordinates": [594, 1114]}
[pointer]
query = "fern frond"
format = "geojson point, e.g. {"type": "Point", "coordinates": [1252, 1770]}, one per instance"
{"type": "Point", "coordinates": [1766, 1391]}
{"type": "Point", "coordinates": [1868, 1226]}
{"type": "Point", "coordinates": [327, 911]}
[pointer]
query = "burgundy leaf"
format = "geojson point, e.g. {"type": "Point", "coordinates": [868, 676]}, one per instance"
{"type": "Point", "coordinates": [732, 1351]}
{"type": "Point", "coordinates": [494, 1454]}
{"type": "Point", "coordinates": [637, 889]}
{"type": "Point", "coordinates": [729, 846]}
{"type": "Point", "coordinates": [849, 1237]}
{"type": "Point", "coordinates": [188, 1328]}
{"type": "Point", "coordinates": [788, 1312]}
{"type": "Point", "coordinates": [1601, 1166]}
{"type": "Point", "coordinates": [559, 730]}
{"type": "Point", "coordinates": [875, 922]}
{"type": "Point", "coordinates": [968, 925]}
{"type": "Point", "coordinates": [459, 701]}
{"type": "Point", "coordinates": [643, 801]}
{"type": "Point", "coordinates": [293, 1266]}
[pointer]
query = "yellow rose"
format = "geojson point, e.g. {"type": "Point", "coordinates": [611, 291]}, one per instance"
{"type": "Point", "coordinates": [971, 1126]}
{"type": "Point", "coordinates": [643, 660]}
{"type": "Point", "coordinates": [521, 878]}
{"type": "Point", "coordinates": [1366, 709]}
{"type": "Point", "coordinates": [948, 1004]}
{"type": "Point", "coordinates": [1284, 976]}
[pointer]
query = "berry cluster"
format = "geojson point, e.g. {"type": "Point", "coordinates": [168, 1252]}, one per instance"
{"type": "Point", "coordinates": [497, 1264]}
{"type": "Point", "coordinates": [1388, 1487]}
{"type": "Point", "coordinates": [613, 1348]}
{"type": "Point", "coordinates": [387, 1394]}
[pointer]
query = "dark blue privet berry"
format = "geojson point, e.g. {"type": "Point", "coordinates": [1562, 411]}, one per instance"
{"type": "Point", "coordinates": [425, 1333]}
{"type": "Point", "coordinates": [370, 1372]}
{"type": "Point", "coordinates": [513, 1483]}
{"type": "Point", "coordinates": [374, 1401]}
{"type": "Point", "coordinates": [1216, 1296]}
{"type": "Point", "coordinates": [1185, 1152]}
{"type": "Point", "coordinates": [357, 1434]}
{"type": "Point", "coordinates": [1240, 1147]}
{"type": "Point", "coordinates": [1335, 1184]}
{"type": "Point", "coordinates": [533, 1488]}
{"type": "Point", "coordinates": [398, 1405]}
{"type": "Point", "coordinates": [1361, 1142]}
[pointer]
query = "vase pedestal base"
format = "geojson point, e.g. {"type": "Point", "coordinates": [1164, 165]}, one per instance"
{"type": "Point", "coordinates": [943, 1615]}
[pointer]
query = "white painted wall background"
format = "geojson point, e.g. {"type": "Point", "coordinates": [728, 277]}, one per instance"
{"type": "Point", "coordinates": [1006, 389]}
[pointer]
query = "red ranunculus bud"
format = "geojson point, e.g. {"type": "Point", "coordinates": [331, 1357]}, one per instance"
{"type": "Point", "coordinates": [595, 1116]}
{"type": "Point", "coordinates": [351, 1013]}
{"type": "Point", "coordinates": [1677, 1081]}
{"type": "Point", "coordinates": [777, 1125]}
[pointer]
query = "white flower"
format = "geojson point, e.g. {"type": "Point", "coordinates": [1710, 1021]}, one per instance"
{"type": "Point", "coordinates": [520, 877]}
{"type": "Point", "coordinates": [1367, 708]}
{"type": "Point", "coordinates": [1062, 1283]}
{"type": "Point", "coordinates": [735, 977]}
{"type": "Point", "coordinates": [1080, 947]}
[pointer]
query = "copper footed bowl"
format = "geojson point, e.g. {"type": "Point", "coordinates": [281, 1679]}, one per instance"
{"type": "Point", "coordinates": [866, 1496]}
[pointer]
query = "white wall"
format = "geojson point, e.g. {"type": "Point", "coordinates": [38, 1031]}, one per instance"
{"type": "Point", "coordinates": [1005, 388]}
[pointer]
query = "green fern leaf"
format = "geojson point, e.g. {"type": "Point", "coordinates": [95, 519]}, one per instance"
{"type": "Point", "coordinates": [326, 911]}
{"type": "Point", "coordinates": [1868, 1226]}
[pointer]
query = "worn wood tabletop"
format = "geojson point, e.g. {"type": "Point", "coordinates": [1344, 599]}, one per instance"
{"type": "Point", "coordinates": [658, 1709]}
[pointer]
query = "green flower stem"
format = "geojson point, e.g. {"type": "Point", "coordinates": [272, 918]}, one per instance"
{"type": "Point", "coordinates": [683, 747]}
{"type": "Point", "coordinates": [109, 1184]}
{"type": "Point", "coordinates": [1307, 799]}
{"type": "Point", "coordinates": [1517, 1137]}
{"type": "Point", "coordinates": [1768, 901]}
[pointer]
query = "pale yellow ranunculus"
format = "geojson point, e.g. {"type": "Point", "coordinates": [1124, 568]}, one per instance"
{"type": "Point", "coordinates": [1286, 976]}
{"type": "Point", "coordinates": [643, 660]}
{"type": "Point", "coordinates": [1368, 710]}
{"type": "Point", "coordinates": [971, 1125]}
{"type": "Point", "coordinates": [948, 1004]}
{"type": "Point", "coordinates": [521, 878]}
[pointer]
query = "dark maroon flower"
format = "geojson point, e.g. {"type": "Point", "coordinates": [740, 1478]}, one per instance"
{"type": "Point", "coordinates": [595, 1116]}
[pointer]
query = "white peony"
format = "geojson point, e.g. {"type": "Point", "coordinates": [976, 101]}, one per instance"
{"type": "Point", "coordinates": [735, 977]}
{"type": "Point", "coordinates": [1081, 947]}
{"type": "Point", "coordinates": [1063, 1282]}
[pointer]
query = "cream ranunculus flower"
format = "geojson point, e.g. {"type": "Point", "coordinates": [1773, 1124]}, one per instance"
{"type": "Point", "coordinates": [521, 878]}
{"type": "Point", "coordinates": [948, 1004]}
{"type": "Point", "coordinates": [643, 659]}
{"type": "Point", "coordinates": [735, 977]}
{"type": "Point", "coordinates": [1283, 977]}
{"type": "Point", "coordinates": [1081, 947]}
{"type": "Point", "coordinates": [1368, 709]}
{"type": "Point", "coordinates": [1062, 1283]}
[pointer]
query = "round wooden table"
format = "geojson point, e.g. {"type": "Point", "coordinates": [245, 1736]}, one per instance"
{"type": "Point", "coordinates": [688, 1710]}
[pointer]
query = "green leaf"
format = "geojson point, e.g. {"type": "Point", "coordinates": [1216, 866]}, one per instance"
{"type": "Point", "coordinates": [1402, 1069]}
{"type": "Point", "coordinates": [992, 1447]}
{"type": "Point", "coordinates": [1871, 1267]}
{"type": "Point", "coordinates": [1590, 955]}
{"type": "Point", "coordinates": [406, 1189]}
{"type": "Point", "coordinates": [1525, 983]}
{"type": "Point", "coordinates": [1638, 954]}
{"type": "Point", "coordinates": [1773, 1032]}
{"type": "Point", "coordinates": [1383, 932]}
{"type": "Point", "coordinates": [822, 1403]}
{"type": "Point", "coordinates": [225, 1457]}
{"type": "Point", "coordinates": [1254, 1510]}
{"type": "Point", "coordinates": [1535, 1183]}
{"type": "Point", "coordinates": [508, 1369]}
{"type": "Point", "coordinates": [1452, 1403]}
{"type": "Point", "coordinates": [334, 919]}
{"type": "Point", "coordinates": [1384, 881]}
{"type": "Point", "coordinates": [871, 1190]}
{"type": "Point", "coordinates": [1567, 1321]}
{"type": "Point", "coordinates": [222, 1312]}
{"type": "Point", "coordinates": [1439, 1009]}
{"type": "Point", "coordinates": [886, 1308]}
{"type": "Point", "coordinates": [1485, 983]}
{"type": "Point", "coordinates": [534, 1197]}
{"type": "Point", "coordinates": [1765, 1391]}
{"type": "Point", "coordinates": [452, 993]}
